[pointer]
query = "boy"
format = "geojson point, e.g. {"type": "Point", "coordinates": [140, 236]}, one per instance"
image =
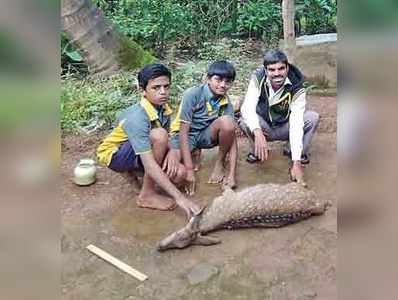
{"type": "Point", "coordinates": [205, 120]}
{"type": "Point", "coordinates": [141, 141]}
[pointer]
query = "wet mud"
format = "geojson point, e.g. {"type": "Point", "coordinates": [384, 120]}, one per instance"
{"type": "Point", "coordinates": [293, 262]}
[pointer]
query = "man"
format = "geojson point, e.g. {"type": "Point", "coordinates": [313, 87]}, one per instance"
{"type": "Point", "coordinates": [140, 140]}
{"type": "Point", "coordinates": [205, 120]}
{"type": "Point", "coordinates": [274, 109]}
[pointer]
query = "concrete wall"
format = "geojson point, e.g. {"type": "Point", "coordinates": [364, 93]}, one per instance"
{"type": "Point", "coordinates": [316, 56]}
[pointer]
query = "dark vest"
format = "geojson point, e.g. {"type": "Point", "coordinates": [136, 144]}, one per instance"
{"type": "Point", "coordinates": [278, 114]}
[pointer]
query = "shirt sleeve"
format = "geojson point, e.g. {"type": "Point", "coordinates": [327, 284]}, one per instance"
{"type": "Point", "coordinates": [296, 124]}
{"type": "Point", "coordinates": [249, 105]}
{"type": "Point", "coordinates": [138, 135]}
{"type": "Point", "coordinates": [187, 106]}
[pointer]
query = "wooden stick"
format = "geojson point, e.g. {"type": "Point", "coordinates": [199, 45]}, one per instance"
{"type": "Point", "coordinates": [117, 263]}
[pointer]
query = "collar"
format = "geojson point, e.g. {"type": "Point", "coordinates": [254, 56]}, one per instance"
{"type": "Point", "coordinates": [208, 94]}
{"type": "Point", "coordinates": [152, 112]}
{"type": "Point", "coordinates": [287, 82]}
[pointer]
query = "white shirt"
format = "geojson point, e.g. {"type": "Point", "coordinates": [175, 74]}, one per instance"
{"type": "Point", "coordinates": [296, 118]}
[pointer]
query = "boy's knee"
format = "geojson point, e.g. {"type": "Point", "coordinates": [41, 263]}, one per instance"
{"type": "Point", "coordinates": [159, 135]}
{"type": "Point", "coordinates": [227, 124]}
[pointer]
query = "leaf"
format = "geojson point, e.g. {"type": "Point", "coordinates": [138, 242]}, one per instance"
{"type": "Point", "coordinates": [74, 55]}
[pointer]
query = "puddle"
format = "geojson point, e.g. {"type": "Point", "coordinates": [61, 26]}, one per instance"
{"type": "Point", "coordinates": [145, 224]}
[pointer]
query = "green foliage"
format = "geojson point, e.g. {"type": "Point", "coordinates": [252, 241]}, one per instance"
{"type": "Point", "coordinates": [185, 24]}
{"type": "Point", "coordinates": [89, 105]}
{"type": "Point", "coordinates": [92, 104]}
{"type": "Point", "coordinates": [212, 51]}
{"type": "Point", "coordinates": [211, 19]}
{"type": "Point", "coordinates": [71, 60]}
{"type": "Point", "coordinates": [157, 24]}
{"type": "Point", "coordinates": [195, 27]}
{"type": "Point", "coordinates": [132, 55]}
{"type": "Point", "coordinates": [152, 22]}
{"type": "Point", "coordinates": [317, 16]}
{"type": "Point", "coordinates": [261, 19]}
{"type": "Point", "coordinates": [228, 49]}
{"type": "Point", "coordinates": [68, 50]}
{"type": "Point", "coordinates": [186, 76]}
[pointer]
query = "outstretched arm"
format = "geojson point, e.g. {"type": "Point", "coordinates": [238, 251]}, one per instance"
{"type": "Point", "coordinates": [296, 132]}
{"type": "Point", "coordinates": [156, 173]}
{"type": "Point", "coordinates": [187, 157]}
{"type": "Point", "coordinates": [296, 125]}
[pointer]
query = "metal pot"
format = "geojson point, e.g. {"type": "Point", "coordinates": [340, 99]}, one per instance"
{"type": "Point", "coordinates": [84, 172]}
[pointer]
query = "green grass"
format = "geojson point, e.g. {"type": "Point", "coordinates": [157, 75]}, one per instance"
{"type": "Point", "coordinates": [87, 105]}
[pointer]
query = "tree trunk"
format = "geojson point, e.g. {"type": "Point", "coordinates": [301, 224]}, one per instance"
{"type": "Point", "coordinates": [103, 49]}
{"type": "Point", "coordinates": [288, 28]}
{"type": "Point", "coordinates": [87, 28]}
{"type": "Point", "coordinates": [234, 15]}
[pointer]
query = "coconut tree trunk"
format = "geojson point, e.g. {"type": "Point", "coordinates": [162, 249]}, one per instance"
{"type": "Point", "coordinates": [96, 39]}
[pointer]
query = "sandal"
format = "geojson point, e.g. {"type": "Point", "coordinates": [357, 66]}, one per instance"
{"type": "Point", "coordinates": [251, 158]}
{"type": "Point", "coordinates": [305, 158]}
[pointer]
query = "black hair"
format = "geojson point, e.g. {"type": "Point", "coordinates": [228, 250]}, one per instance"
{"type": "Point", "coordinates": [274, 56]}
{"type": "Point", "coordinates": [152, 71]}
{"type": "Point", "coordinates": [222, 68]}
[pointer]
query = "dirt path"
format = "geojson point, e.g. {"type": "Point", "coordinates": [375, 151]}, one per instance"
{"type": "Point", "coordinates": [294, 262]}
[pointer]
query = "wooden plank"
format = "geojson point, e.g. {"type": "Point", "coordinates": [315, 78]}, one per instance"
{"type": "Point", "coordinates": [117, 263]}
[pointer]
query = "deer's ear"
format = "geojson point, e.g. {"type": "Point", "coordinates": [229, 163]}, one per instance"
{"type": "Point", "coordinates": [206, 240]}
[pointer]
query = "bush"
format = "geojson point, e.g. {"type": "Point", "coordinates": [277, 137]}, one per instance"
{"type": "Point", "coordinates": [156, 24]}
{"type": "Point", "coordinates": [152, 22]}
{"type": "Point", "coordinates": [316, 16]}
{"type": "Point", "coordinates": [211, 19]}
{"type": "Point", "coordinates": [261, 19]}
{"type": "Point", "coordinates": [93, 104]}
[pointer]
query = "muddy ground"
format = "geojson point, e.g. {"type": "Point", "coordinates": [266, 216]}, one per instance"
{"type": "Point", "coordinates": [293, 262]}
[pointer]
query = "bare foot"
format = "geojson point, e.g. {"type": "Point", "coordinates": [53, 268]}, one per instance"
{"type": "Point", "coordinates": [218, 173]}
{"type": "Point", "coordinates": [156, 201]}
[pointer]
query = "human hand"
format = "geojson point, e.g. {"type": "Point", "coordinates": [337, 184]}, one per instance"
{"type": "Point", "coordinates": [260, 145]}
{"type": "Point", "coordinates": [297, 173]}
{"type": "Point", "coordinates": [190, 208]}
{"type": "Point", "coordinates": [171, 163]}
{"type": "Point", "coordinates": [191, 181]}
